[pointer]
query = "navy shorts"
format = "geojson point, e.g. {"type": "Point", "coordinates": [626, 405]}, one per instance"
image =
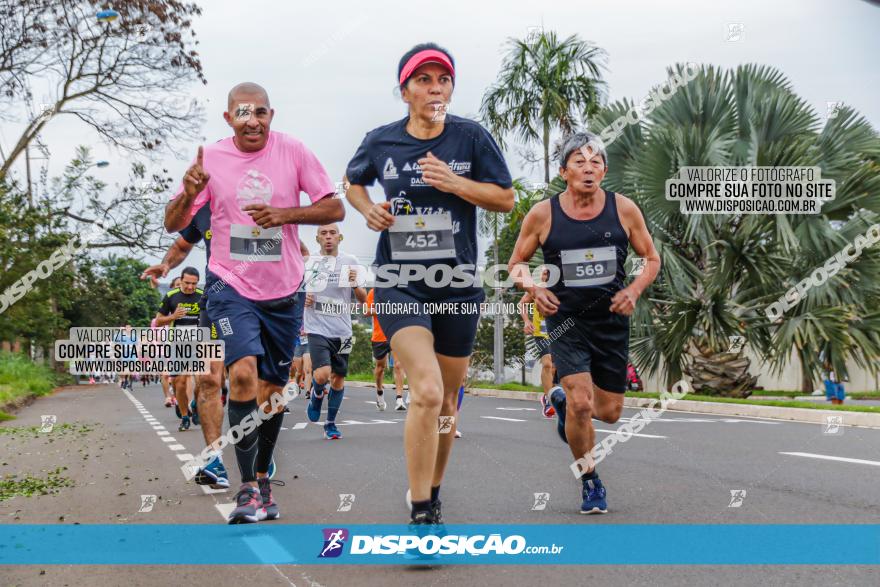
{"type": "Point", "coordinates": [598, 345]}
{"type": "Point", "coordinates": [325, 351]}
{"type": "Point", "coordinates": [454, 332]}
{"type": "Point", "coordinates": [380, 349]}
{"type": "Point", "coordinates": [541, 346]}
{"type": "Point", "coordinates": [205, 318]}
{"type": "Point", "coordinates": [266, 330]}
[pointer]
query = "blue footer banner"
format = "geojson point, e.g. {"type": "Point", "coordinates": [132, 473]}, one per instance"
{"type": "Point", "coordinates": [474, 544]}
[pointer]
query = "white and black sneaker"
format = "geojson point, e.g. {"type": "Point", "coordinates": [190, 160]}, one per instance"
{"type": "Point", "coordinates": [400, 406]}
{"type": "Point", "coordinates": [380, 402]}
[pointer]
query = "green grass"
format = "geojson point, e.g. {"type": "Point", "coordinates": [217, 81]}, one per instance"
{"type": "Point", "coordinates": [20, 377]}
{"type": "Point", "coordinates": [777, 403]}
{"type": "Point", "coordinates": [368, 377]}
{"type": "Point", "coordinates": [507, 386]}
{"type": "Point", "coordinates": [856, 395]}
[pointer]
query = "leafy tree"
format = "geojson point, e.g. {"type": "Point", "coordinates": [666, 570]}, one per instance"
{"type": "Point", "coordinates": [125, 79]}
{"type": "Point", "coordinates": [721, 271]}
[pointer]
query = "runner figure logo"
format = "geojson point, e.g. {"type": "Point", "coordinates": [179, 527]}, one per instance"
{"type": "Point", "coordinates": [334, 540]}
{"type": "Point", "coordinates": [346, 501]}
{"type": "Point", "coordinates": [445, 424]}
{"type": "Point", "coordinates": [736, 344]}
{"type": "Point", "coordinates": [833, 425]}
{"type": "Point", "coordinates": [47, 423]}
{"type": "Point", "coordinates": [638, 266]}
{"type": "Point", "coordinates": [737, 496]}
{"type": "Point", "coordinates": [541, 500]}
{"type": "Point", "coordinates": [147, 503]}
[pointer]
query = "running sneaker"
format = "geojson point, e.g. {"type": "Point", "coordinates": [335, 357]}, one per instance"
{"type": "Point", "coordinates": [380, 402]}
{"type": "Point", "coordinates": [194, 411]}
{"type": "Point", "coordinates": [248, 506]}
{"type": "Point", "coordinates": [557, 398]}
{"type": "Point", "coordinates": [272, 468]}
{"type": "Point", "coordinates": [167, 402]}
{"type": "Point", "coordinates": [213, 474]}
{"type": "Point", "coordinates": [421, 524]}
{"type": "Point", "coordinates": [458, 433]}
{"type": "Point", "coordinates": [184, 424]}
{"type": "Point", "coordinates": [594, 497]}
{"type": "Point", "coordinates": [400, 406]}
{"type": "Point", "coordinates": [270, 508]}
{"type": "Point", "coordinates": [436, 514]}
{"type": "Point", "coordinates": [314, 408]}
{"type": "Point", "coordinates": [546, 408]}
{"type": "Point", "coordinates": [331, 432]}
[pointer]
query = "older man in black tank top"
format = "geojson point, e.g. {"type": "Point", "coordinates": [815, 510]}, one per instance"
{"type": "Point", "coordinates": [585, 233]}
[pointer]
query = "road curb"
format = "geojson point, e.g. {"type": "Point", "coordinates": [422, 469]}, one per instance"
{"type": "Point", "coordinates": [860, 419]}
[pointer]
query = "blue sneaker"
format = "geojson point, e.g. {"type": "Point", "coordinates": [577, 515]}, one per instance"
{"type": "Point", "coordinates": [594, 497]}
{"type": "Point", "coordinates": [314, 408]}
{"type": "Point", "coordinates": [213, 474]}
{"type": "Point", "coordinates": [557, 398]}
{"type": "Point", "coordinates": [271, 471]}
{"type": "Point", "coordinates": [184, 424]}
{"type": "Point", "coordinates": [331, 432]}
{"type": "Point", "coordinates": [194, 412]}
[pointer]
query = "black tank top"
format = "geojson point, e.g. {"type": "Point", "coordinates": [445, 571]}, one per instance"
{"type": "Point", "coordinates": [589, 255]}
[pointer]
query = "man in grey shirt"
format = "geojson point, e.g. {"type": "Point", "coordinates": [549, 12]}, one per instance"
{"type": "Point", "coordinates": [327, 319]}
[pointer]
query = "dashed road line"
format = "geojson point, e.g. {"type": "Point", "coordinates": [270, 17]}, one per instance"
{"type": "Point", "coordinates": [832, 458]}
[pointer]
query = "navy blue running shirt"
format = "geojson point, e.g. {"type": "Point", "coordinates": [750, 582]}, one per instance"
{"type": "Point", "coordinates": [589, 254]}
{"type": "Point", "coordinates": [442, 229]}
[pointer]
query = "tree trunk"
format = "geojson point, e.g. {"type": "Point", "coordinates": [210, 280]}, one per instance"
{"type": "Point", "coordinates": [546, 152]}
{"type": "Point", "coordinates": [720, 374]}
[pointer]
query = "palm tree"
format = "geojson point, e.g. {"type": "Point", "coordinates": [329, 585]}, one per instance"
{"type": "Point", "coordinates": [544, 85]}
{"type": "Point", "coordinates": [721, 271]}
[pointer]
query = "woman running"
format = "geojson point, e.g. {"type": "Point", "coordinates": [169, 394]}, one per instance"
{"type": "Point", "coordinates": [436, 169]}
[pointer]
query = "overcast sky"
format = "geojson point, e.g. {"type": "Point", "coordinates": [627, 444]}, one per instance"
{"type": "Point", "coordinates": [330, 66]}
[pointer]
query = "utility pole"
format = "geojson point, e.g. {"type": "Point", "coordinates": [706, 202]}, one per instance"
{"type": "Point", "coordinates": [498, 341]}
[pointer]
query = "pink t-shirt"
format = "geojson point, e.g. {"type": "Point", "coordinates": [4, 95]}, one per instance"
{"type": "Point", "coordinates": [245, 256]}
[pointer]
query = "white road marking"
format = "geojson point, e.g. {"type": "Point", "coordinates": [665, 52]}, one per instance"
{"type": "Point", "coordinates": [162, 432]}
{"type": "Point", "coordinates": [185, 457]}
{"type": "Point", "coordinates": [225, 509]}
{"type": "Point", "coordinates": [168, 439]}
{"type": "Point", "coordinates": [519, 409]}
{"type": "Point", "coordinates": [634, 434]}
{"type": "Point", "coordinates": [210, 490]}
{"type": "Point", "coordinates": [176, 447]}
{"type": "Point", "coordinates": [300, 425]}
{"type": "Point", "coordinates": [705, 420]}
{"type": "Point", "coordinates": [505, 419]}
{"type": "Point", "coordinates": [832, 458]}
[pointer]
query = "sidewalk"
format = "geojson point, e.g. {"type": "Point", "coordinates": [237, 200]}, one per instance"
{"type": "Point", "coordinates": [860, 419]}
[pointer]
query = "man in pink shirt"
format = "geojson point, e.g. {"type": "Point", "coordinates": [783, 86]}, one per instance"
{"type": "Point", "coordinates": [252, 183]}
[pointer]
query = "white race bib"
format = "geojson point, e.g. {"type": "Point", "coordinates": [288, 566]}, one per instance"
{"type": "Point", "coordinates": [254, 244]}
{"type": "Point", "coordinates": [422, 236]}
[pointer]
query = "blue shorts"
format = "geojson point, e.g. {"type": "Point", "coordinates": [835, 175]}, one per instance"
{"type": "Point", "coordinates": [266, 330]}
{"type": "Point", "coordinates": [454, 332]}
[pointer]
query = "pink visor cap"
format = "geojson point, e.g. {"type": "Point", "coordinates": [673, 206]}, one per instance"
{"type": "Point", "coordinates": [423, 57]}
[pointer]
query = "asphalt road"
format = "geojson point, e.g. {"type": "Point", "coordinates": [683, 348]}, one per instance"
{"type": "Point", "coordinates": [680, 470]}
